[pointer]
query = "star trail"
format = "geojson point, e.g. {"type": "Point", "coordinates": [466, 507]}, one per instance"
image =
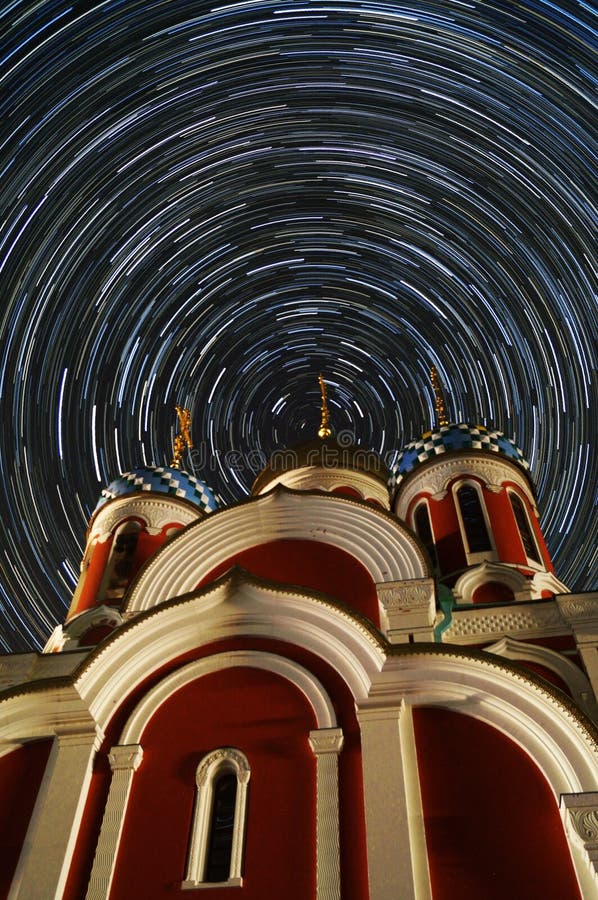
{"type": "Point", "coordinates": [209, 203]}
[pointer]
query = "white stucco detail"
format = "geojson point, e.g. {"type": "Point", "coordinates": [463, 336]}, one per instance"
{"type": "Point", "coordinates": [383, 545]}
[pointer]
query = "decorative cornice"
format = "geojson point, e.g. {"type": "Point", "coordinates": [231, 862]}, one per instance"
{"type": "Point", "coordinates": [155, 509]}
{"type": "Point", "coordinates": [435, 476]}
{"type": "Point", "coordinates": [321, 479]}
{"type": "Point", "coordinates": [579, 609]}
{"type": "Point", "coordinates": [479, 624]}
{"type": "Point", "coordinates": [326, 740]}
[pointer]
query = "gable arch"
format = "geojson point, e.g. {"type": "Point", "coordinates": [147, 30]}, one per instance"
{"type": "Point", "coordinates": [307, 683]}
{"type": "Point", "coordinates": [384, 546]}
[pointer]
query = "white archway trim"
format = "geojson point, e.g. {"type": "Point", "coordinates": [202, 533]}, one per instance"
{"type": "Point", "coordinates": [44, 712]}
{"type": "Point", "coordinates": [154, 510]}
{"type": "Point", "coordinates": [224, 759]}
{"type": "Point", "coordinates": [548, 727]}
{"type": "Point", "coordinates": [320, 478]}
{"type": "Point", "coordinates": [237, 605]}
{"type": "Point", "coordinates": [574, 678]}
{"type": "Point", "coordinates": [549, 730]}
{"type": "Point", "coordinates": [374, 537]}
{"type": "Point", "coordinates": [307, 683]}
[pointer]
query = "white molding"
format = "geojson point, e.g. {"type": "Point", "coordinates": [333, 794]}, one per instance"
{"type": "Point", "coordinates": [124, 762]}
{"type": "Point", "coordinates": [572, 675]}
{"type": "Point", "coordinates": [580, 816]}
{"type": "Point", "coordinates": [211, 766]}
{"type": "Point", "coordinates": [307, 683]}
{"type": "Point", "coordinates": [318, 478]}
{"type": "Point", "coordinates": [45, 859]}
{"type": "Point", "coordinates": [482, 623]}
{"type": "Point", "coordinates": [382, 544]}
{"type": "Point", "coordinates": [326, 744]}
{"type": "Point", "coordinates": [234, 606]}
{"type": "Point", "coordinates": [397, 867]}
{"type": "Point", "coordinates": [409, 608]}
{"type": "Point", "coordinates": [544, 724]}
{"type": "Point", "coordinates": [435, 475]}
{"type": "Point", "coordinates": [155, 510]}
{"type": "Point", "coordinates": [524, 588]}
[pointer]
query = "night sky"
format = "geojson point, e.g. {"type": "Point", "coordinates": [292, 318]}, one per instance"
{"type": "Point", "coordinates": [209, 203]}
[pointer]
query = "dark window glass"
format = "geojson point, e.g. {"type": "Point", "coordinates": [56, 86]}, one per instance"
{"type": "Point", "coordinates": [476, 532]}
{"type": "Point", "coordinates": [424, 530]}
{"type": "Point", "coordinates": [221, 828]}
{"type": "Point", "coordinates": [524, 528]}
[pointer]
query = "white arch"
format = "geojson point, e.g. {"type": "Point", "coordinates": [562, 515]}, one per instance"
{"type": "Point", "coordinates": [307, 683]}
{"type": "Point", "coordinates": [374, 537]}
{"type": "Point", "coordinates": [547, 728]}
{"type": "Point", "coordinates": [237, 605]}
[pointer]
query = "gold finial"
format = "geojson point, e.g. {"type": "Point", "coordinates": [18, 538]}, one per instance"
{"type": "Point", "coordinates": [183, 438]}
{"type": "Point", "coordinates": [440, 413]}
{"type": "Point", "coordinates": [324, 431]}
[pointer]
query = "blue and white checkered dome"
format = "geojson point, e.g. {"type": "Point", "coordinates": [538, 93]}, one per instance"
{"type": "Point", "coordinates": [162, 480]}
{"type": "Point", "coordinates": [451, 437]}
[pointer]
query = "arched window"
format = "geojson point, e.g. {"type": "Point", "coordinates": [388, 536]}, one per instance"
{"type": "Point", "coordinates": [217, 837]}
{"type": "Point", "coordinates": [120, 564]}
{"type": "Point", "coordinates": [473, 520]}
{"type": "Point", "coordinates": [525, 529]}
{"type": "Point", "coordinates": [423, 527]}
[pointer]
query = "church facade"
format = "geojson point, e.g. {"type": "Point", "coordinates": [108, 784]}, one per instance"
{"type": "Point", "coordinates": [353, 684]}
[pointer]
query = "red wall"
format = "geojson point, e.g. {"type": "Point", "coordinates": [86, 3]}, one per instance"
{"type": "Point", "coordinates": [493, 829]}
{"type": "Point", "coordinates": [268, 719]}
{"type": "Point", "coordinates": [21, 773]}
{"type": "Point", "coordinates": [310, 564]}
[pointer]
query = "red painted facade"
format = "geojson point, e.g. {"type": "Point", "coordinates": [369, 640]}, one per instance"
{"type": "Point", "coordinates": [308, 564]}
{"type": "Point", "coordinates": [493, 827]}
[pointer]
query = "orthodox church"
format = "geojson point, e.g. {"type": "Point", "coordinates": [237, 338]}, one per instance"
{"type": "Point", "coordinates": [355, 684]}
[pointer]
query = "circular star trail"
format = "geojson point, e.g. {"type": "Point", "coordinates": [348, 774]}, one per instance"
{"type": "Point", "coordinates": [209, 203]}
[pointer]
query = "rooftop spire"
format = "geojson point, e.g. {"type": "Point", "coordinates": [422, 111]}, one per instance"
{"type": "Point", "coordinates": [440, 412]}
{"type": "Point", "coordinates": [324, 431]}
{"type": "Point", "coordinates": [183, 438]}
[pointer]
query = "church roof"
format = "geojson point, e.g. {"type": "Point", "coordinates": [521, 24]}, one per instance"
{"type": "Point", "coordinates": [161, 480]}
{"type": "Point", "coordinates": [450, 437]}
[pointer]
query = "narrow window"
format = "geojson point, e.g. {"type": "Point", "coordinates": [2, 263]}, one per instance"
{"type": "Point", "coordinates": [472, 515]}
{"type": "Point", "coordinates": [424, 530]}
{"type": "Point", "coordinates": [218, 831]}
{"type": "Point", "coordinates": [221, 828]}
{"type": "Point", "coordinates": [121, 562]}
{"type": "Point", "coordinates": [525, 531]}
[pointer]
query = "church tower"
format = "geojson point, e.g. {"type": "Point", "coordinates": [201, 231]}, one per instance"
{"type": "Point", "coordinates": [354, 684]}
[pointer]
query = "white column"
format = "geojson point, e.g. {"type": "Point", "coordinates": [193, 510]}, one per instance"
{"type": "Point", "coordinates": [580, 814]}
{"type": "Point", "coordinates": [46, 856]}
{"type": "Point", "coordinates": [396, 846]}
{"type": "Point", "coordinates": [326, 744]}
{"type": "Point", "coordinates": [124, 761]}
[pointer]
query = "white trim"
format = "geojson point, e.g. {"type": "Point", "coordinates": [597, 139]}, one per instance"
{"type": "Point", "coordinates": [49, 844]}
{"type": "Point", "coordinates": [124, 762]}
{"type": "Point", "coordinates": [224, 759]}
{"type": "Point", "coordinates": [321, 478]}
{"type": "Point", "coordinates": [538, 563]}
{"type": "Point", "coordinates": [435, 475]}
{"type": "Point", "coordinates": [233, 606]}
{"type": "Point", "coordinates": [382, 544]}
{"type": "Point", "coordinates": [307, 683]}
{"type": "Point", "coordinates": [580, 816]}
{"type": "Point", "coordinates": [326, 744]}
{"type": "Point", "coordinates": [397, 867]}
{"type": "Point", "coordinates": [572, 675]}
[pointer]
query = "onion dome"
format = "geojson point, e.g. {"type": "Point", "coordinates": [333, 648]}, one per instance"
{"type": "Point", "coordinates": [162, 480]}
{"type": "Point", "coordinates": [323, 454]}
{"type": "Point", "coordinates": [451, 437]}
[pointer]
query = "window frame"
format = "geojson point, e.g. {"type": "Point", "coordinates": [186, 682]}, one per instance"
{"type": "Point", "coordinates": [474, 556]}
{"type": "Point", "coordinates": [538, 562]}
{"type": "Point", "coordinates": [423, 501]}
{"type": "Point", "coordinates": [221, 761]}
